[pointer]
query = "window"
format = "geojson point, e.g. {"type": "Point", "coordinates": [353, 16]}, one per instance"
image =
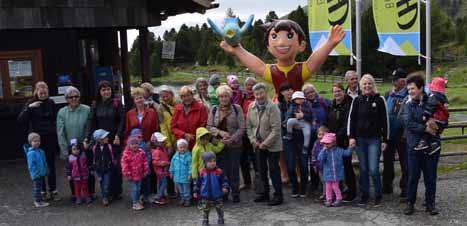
{"type": "Point", "coordinates": [19, 70]}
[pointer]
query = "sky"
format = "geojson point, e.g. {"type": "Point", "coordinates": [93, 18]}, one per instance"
{"type": "Point", "coordinates": [241, 8]}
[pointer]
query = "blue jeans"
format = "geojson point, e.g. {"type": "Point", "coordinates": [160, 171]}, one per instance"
{"type": "Point", "coordinates": [37, 188]}
{"type": "Point", "coordinates": [419, 162]}
{"type": "Point", "coordinates": [146, 186]}
{"type": "Point", "coordinates": [135, 188]}
{"type": "Point", "coordinates": [369, 152]}
{"type": "Point", "coordinates": [104, 180]}
{"type": "Point", "coordinates": [185, 191]}
{"type": "Point", "coordinates": [292, 151]}
{"type": "Point", "coordinates": [161, 185]}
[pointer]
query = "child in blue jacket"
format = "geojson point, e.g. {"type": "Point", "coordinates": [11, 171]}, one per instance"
{"type": "Point", "coordinates": [180, 172]}
{"type": "Point", "coordinates": [37, 167]}
{"type": "Point", "coordinates": [331, 159]}
{"type": "Point", "coordinates": [210, 187]}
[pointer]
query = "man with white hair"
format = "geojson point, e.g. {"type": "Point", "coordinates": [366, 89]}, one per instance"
{"type": "Point", "coordinates": [352, 89]}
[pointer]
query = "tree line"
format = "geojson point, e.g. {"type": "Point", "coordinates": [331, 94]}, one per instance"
{"type": "Point", "coordinates": [198, 45]}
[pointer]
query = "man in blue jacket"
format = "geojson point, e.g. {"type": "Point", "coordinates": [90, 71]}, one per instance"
{"type": "Point", "coordinates": [395, 100]}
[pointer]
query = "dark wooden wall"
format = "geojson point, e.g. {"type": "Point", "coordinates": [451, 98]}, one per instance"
{"type": "Point", "coordinates": [59, 48]}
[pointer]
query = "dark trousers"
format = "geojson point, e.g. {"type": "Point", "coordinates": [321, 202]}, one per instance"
{"type": "Point", "coordinates": [246, 159]}
{"type": "Point", "coordinates": [398, 146]}
{"type": "Point", "coordinates": [293, 156]}
{"type": "Point", "coordinates": [269, 160]}
{"type": "Point", "coordinates": [229, 162]}
{"type": "Point", "coordinates": [350, 179]}
{"type": "Point", "coordinates": [116, 181]}
{"type": "Point", "coordinates": [419, 162]}
{"type": "Point", "coordinates": [50, 146]}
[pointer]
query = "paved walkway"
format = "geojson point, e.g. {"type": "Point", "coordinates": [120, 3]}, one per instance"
{"type": "Point", "coordinates": [16, 208]}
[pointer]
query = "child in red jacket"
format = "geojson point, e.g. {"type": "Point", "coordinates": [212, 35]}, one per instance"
{"type": "Point", "coordinates": [134, 168]}
{"type": "Point", "coordinates": [161, 164]}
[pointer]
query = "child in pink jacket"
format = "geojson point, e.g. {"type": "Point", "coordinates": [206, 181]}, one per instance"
{"type": "Point", "coordinates": [161, 164]}
{"type": "Point", "coordinates": [77, 172]}
{"type": "Point", "coordinates": [134, 168]}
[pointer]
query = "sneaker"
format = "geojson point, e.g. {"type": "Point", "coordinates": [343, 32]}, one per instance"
{"type": "Point", "coordinates": [41, 204]}
{"type": "Point", "coordinates": [294, 195]}
{"type": "Point", "coordinates": [276, 201]}
{"type": "Point", "coordinates": [328, 203]}
{"type": "Point", "coordinates": [220, 221]}
{"type": "Point", "coordinates": [410, 209]}
{"type": "Point", "coordinates": [181, 202]}
{"type": "Point", "coordinates": [321, 198]}
{"type": "Point", "coordinates": [55, 196]}
{"type": "Point", "coordinates": [422, 145]}
{"type": "Point", "coordinates": [105, 202]}
{"type": "Point", "coordinates": [377, 202]}
{"type": "Point", "coordinates": [44, 196]}
{"type": "Point", "coordinates": [434, 148]}
{"type": "Point", "coordinates": [288, 136]}
{"type": "Point", "coordinates": [363, 201]}
{"type": "Point", "coordinates": [349, 198]}
{"type": "Point", "coordinates": [261, 198]}
{"type": "Point", "coordinates": [337, 203]}
{"type": "Point", "coordinates": [78, 201]}
{"type": "Point", "coordinates": [138, 206]}
{"type": "Point", "coordinates": [160, 201]}
{"type": "Point", "coordinates": [431, 209]}
{"type": "Point", "coordinates": [302, 195]}
{"type": "Point", "coordinates": [88, 200]}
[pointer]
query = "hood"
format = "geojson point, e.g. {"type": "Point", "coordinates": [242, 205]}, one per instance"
{"type": "Point", "coordinates": [26, 148]}
{"type": "Point", "coordinates": [201, 132]}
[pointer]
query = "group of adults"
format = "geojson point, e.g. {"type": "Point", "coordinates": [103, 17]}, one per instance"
{"type": "Point", "coordinates": [253, 131]}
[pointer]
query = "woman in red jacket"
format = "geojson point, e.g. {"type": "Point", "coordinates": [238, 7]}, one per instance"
{"type": "Point", "coordinates": [188, 116]}
{"type": "Point", "coordinates": [141, 117]}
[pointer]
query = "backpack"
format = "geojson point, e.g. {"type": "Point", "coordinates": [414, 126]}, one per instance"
{"type": "Point", "coordinates": [111, 154]}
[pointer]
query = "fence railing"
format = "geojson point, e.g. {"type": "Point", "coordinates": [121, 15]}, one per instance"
{"type": "Point", "coordinates": [244, 74]}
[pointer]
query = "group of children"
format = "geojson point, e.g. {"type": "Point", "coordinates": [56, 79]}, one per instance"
{"type": "Point", "coordinates": [209, 183]}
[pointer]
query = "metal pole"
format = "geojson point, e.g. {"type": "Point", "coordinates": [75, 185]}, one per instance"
{"type": "Point", "coordinates": [358, 41]}
{"type": "Point", "coordinates": [428, 41]}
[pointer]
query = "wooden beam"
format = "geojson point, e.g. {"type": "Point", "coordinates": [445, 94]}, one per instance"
{"type": "Point", "coordinates": [125, 68]}
{"type": "Point", "coordinates": [144, 53]}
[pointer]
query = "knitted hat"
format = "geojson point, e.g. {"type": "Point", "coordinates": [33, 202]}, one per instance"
{"type": "Point", "coordinates": [136, 132]}
{"type": "Point", "coordinates": [159, 137]}
{"type": "Point", "coordinates": [231, 79]}
{"type": "Point", "coordinates": [100, 134]}
{"type": "Point", "coordinates": [438, 84]}
{"type": "Point", "coordinates": [73, 142]}
{"type": "Point", "coordinates": [133, 140]}
{"type": "Point", "coordinates": [181, 142]}
{"type": "Point", "coordinates": [298, 95]}
{"type": "Point", "coordinates": [214, 80]}
{"type": "Point", "coordinates": [33, 135]}
{"type": "Point", "coordinates": [328, 138]}
{"type": "Point", "coordinates": [208, 156]}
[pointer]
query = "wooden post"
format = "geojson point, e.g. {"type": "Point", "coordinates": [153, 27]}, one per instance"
{"type": "Point", "coordinates": [144, 53]}
{"type": "Point", "coordinates": [125, 68]}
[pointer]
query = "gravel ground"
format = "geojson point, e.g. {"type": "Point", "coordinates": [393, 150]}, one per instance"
{"type": "Point", "coordinates": [16, 208]}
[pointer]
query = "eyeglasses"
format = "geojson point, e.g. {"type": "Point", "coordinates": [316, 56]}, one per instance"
{"type": "Point", "coordinates": [72, 97]}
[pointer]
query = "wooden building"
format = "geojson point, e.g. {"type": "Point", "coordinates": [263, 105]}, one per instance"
{"type": "Point", "coordinates": [53, 39]}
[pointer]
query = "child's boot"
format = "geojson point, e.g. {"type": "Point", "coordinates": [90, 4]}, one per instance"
{"type": "Point", "coordinates": [220, 218]}
{"type": "Point", "coordinates": [422, 145]}
{"type": "Point", "coordinates": [205, 218]}
{"type": "Point", "coordinates": [55, 196]}
{"type": "Point", "coordinates": [78, 201]}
